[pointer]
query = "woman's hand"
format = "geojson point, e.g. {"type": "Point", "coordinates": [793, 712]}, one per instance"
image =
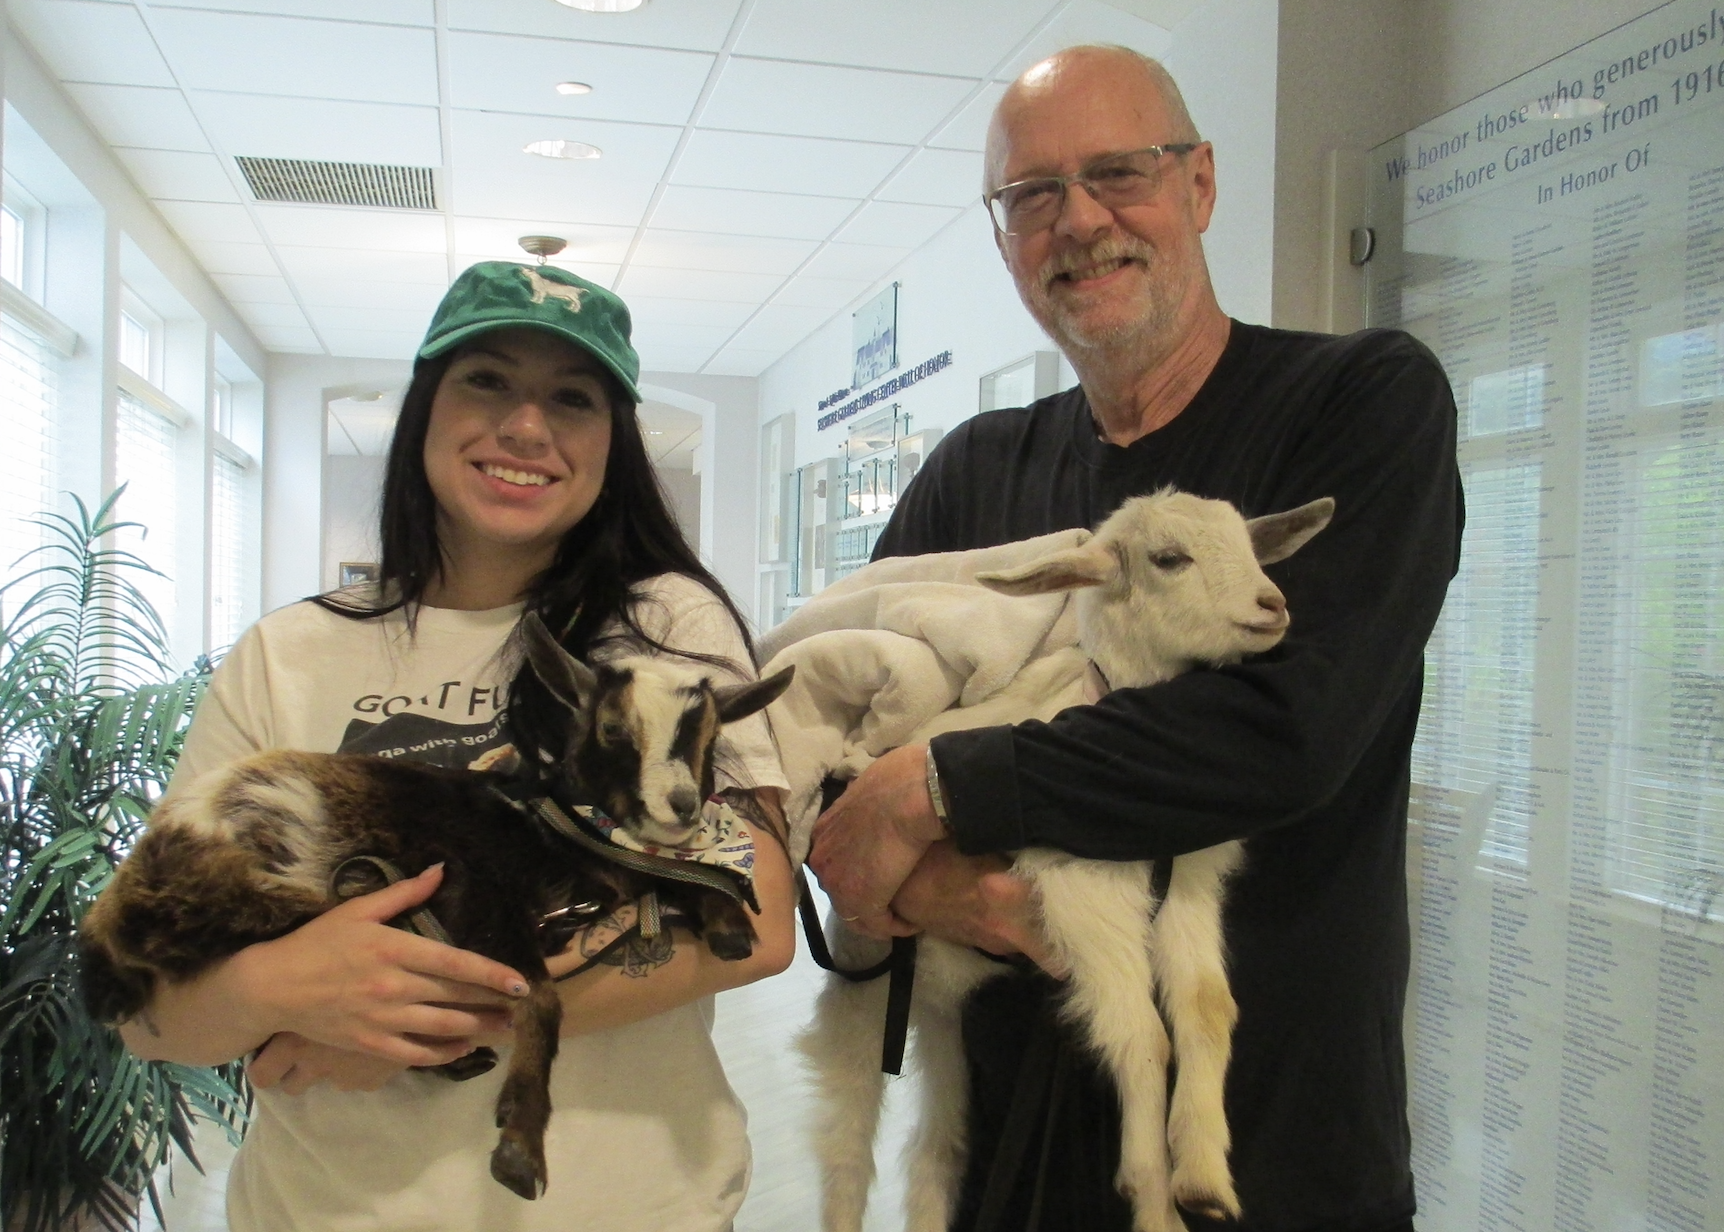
{"type": "Point", "coordinates": [295, 1065]}
{"type": "Point", "coordinates": [345, 979]}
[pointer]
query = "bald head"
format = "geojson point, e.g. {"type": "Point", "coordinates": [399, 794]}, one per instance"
{"type": "Point", "coordinates": [1116, 78]}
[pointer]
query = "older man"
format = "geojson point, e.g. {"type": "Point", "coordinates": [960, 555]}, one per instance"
{"type": "Point", "coordinates": [1100, 189]}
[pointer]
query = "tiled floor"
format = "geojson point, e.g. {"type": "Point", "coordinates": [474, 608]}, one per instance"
{"type": "Point", "coordinates": [754, 1031]}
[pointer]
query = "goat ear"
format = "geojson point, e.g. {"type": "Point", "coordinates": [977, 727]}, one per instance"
{"type": "Point", "coordinates": [1093, 564]}
{"type": "Point", "coordinates": [738, 701]}
{"type": "Point", "coordinates": [1279, 535]}
{"type": "Point", "coordinates": [569, 680]}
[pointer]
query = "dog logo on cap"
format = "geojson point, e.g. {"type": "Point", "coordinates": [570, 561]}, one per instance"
{"type": "Point", "coordinates": [544, 288]}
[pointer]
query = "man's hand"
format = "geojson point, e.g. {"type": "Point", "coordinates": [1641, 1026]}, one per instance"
{"type": "Point", "coordinates": [866, 844]}
{"type": "Point", "coordinates": [974, 901]}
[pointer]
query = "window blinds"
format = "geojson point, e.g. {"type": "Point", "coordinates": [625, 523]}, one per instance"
{"type": "Point", "coordinates": [229, 509]}
{"type": "Point", "coordinates": [28, 400]}
{"type": "Point", "coordinates": [145, 457]}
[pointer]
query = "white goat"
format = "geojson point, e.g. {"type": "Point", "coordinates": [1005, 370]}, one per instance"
{"type": "Point", "coordinates": [1168, 583]}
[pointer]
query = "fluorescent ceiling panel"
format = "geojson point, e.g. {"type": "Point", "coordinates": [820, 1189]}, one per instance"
{"type": "Point", "coordinates": [179, 175]}
{"type": "Point", "coordinates": [102, 43]}
{"type": "Point", "coordinates": [268, 126]}
{"type": "Point", "coordinates": [364, 264]}
{"type": "Point", "coordinates": [717, 159]}
{"type": "Point", "coordinates": [299, 57]}
{"type": "Point", "coordinates": [909, 35]}
{"type": "Point", "coordinates": [697, 284]}
{"type": "Point", "coordinates": [736, 253]}
{"type": "Point", "coordinates": [938, 177]}
{"type": "Point", "coordinates": [644, 85]}
{"type": "Point", "coordinates": [210, 221]}
{"type": "Point", "coordinates": [696, 25]}
{"type": "Point", "coordinates": [586, 243]}
{"type": "Point", "coordinates": [850, 103]}
{"type": "Point", "coordinates": [725, 210]}
{"type": "Point", "coordinates": [897, 224]}
{"type": "Point", "coordinates": [139, 116]}
{"type": "Point", "coordinates": [968, 130]}
{"type": "Point", "coordinates": [318, 226]}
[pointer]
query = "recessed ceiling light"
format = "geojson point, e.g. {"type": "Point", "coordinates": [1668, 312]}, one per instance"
{"type": "Point", "coordinates": [573, 87]}
{"type": "Point", "coordinates": [562, 149]}
{"type": "Point", "coordinates": [603, 6]}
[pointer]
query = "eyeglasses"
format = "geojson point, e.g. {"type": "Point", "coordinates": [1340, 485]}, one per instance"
{"type": "Point", "coordinates": [1131, 178]}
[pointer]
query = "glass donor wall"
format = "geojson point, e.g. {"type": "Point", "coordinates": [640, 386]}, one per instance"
{"type": "Point", "coordinates": [1559, 242]}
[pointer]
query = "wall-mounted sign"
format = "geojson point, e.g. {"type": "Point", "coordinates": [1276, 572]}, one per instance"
{"type": "Point", "coordinates": [903, 380]}
{"type": "Point", "coordinates": [874, 338]}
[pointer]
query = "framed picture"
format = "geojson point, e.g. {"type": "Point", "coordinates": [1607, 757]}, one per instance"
{"type": "Point", "coordinates": [354, 572]}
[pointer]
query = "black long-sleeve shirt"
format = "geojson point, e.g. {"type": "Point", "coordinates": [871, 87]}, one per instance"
{"type": "Point", "coordinates": [1302, 751]}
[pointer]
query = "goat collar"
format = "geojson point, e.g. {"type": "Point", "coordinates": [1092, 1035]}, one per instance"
{"type": "Point", "coordinates": [721, 857]}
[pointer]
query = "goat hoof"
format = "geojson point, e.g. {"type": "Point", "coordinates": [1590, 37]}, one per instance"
{"type": "Point", "coordinates": [479, 1061]}
{"type": "Point", "coordinates": [731, 947]}
{"type": "Point", "coordinates": [1209, 1205]}
{"type": "Point", "coordinates": [514, 1167]}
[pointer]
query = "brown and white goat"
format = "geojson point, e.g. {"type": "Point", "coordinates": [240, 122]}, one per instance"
{"type": "Point", "coordinates": [1169, 582]}
{"type": "Point", "coordinates": [253, 850]}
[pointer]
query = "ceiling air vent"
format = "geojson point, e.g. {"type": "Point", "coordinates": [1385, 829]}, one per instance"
{"type": "Point", "coordinates": [306, 182]}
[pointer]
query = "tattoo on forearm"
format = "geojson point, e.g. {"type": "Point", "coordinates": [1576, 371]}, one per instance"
{"type": "Point", "coordinates": [637, 956]}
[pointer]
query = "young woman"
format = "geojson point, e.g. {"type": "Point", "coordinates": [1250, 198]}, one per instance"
{"type": "Point", "coordinates": [517, 480]}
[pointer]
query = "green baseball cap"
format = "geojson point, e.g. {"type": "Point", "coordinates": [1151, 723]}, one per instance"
{"type": "Point", "coordinates": [499, 294]}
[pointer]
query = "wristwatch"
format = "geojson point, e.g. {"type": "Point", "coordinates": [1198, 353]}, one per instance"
{"type": "Point", "coordinates": [936, 795]}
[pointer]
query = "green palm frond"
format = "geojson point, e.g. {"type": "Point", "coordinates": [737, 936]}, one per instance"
{"type": "Point", "coordinates": [92, 720]}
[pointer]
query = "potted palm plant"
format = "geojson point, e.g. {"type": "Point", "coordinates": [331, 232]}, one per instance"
{"type": "Point", "coordinates": [92, 718]}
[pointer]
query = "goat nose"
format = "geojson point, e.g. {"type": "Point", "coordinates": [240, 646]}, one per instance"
{"type": "Point", "coordinates": [1272, 601]}
{"type": "Point", "coordinates": [685, 803]}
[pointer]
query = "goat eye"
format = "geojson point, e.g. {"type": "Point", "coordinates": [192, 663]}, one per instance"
{"type": "Point", "coordinates": [612, 732]}
{"type": "Point", "coordinates": [1169, 560]}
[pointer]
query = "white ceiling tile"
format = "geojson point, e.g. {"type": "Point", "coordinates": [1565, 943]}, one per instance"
{"type": "Point", "coordinates": [867, 262]}
{"type": "Point", "coordinates": [106, 43]}
{"type": "Point", "coordinates": [938, 177]}
{"type": "Point", "coordinates": [254, 288]}
{"type": "Point", "coordinates": [777, 327]}
{"type": "Point", "coordinates": [329, 226]}
{"type": "Point", "coordinates": [717, 159]}
{"type": "Point", "coordinates": [592, 271]}
{"type": "Point", "coordinates": [140, 116]}
{"type": "Point", "coordinates": [219, 257]}
{"type": "Point", "coordinates": [658, 310]}
{"type": "Point", "coordinates": [673, 359]}
{"type": "Point", "coordinates": [372, 344]}
{"type": "Point", "coordinates": [494, 179]}
{"type": "Point", "coordinates": [644, 85]}
{"type": "Point", "coordinates": [289, 340]}
{"type": "Point", "coordinates": [1088, 21]}
{"type": "Point", "coordinates": [270, 126]}
{"type": "Point", "coordinates": [738, 253]}
{"type": "Point", "coordinates": [780, 215]}
{"type": "Point", "coordinates": [200, 221]}
{"type": "Point", "coordinates": [892, 222]}
{"type": "Point", "coordinates": [607, 245]}
{"type": "Point", "coordinates": [683, 337]}
{"type": "Point", "coordinates": [699, 25]}
{"type": "Point", "coordinates": [697, 284]}
{"type": "Point", "coordinates": [963, 39]}
{"type": "Point", "coordinates": [389, 12]}
{"type": "Point", "coordinates": [271, 316]}
{"type": "Point", "coordinates": [415, 298]}
{"type": "Point", "coordinates": [430, 268]}
{"type": "Point", "coordinates": [178, 175]}
{"type": "Point", "coordinates": [331, 319]}
{"type": "Point", "coordinates": [969, 128]}
{"type": "Point", "coordinates": [826, 293]}
{"type": "Point", "coordinates": [300, 57]}
{"type": "Point", "coordinates": [739, 361]}
{"type": "Point", "coordinates": [859, 104]}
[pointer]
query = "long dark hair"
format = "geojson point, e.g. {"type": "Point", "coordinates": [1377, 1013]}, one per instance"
{"type": "Point", "coordinates": [589, 592]}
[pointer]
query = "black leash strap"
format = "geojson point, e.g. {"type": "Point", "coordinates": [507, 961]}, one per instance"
{"type": "Point", "coordinates": [900, 964]}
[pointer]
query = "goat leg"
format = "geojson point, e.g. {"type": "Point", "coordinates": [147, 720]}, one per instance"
{"type": "Point", "coordinates": [725, 926]}
{"type": "Point", "coordinates": [524, 1106]}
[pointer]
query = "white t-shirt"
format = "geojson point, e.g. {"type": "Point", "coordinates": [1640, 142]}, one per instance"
{"type": "Point", "coordinates": [646, 1134]}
